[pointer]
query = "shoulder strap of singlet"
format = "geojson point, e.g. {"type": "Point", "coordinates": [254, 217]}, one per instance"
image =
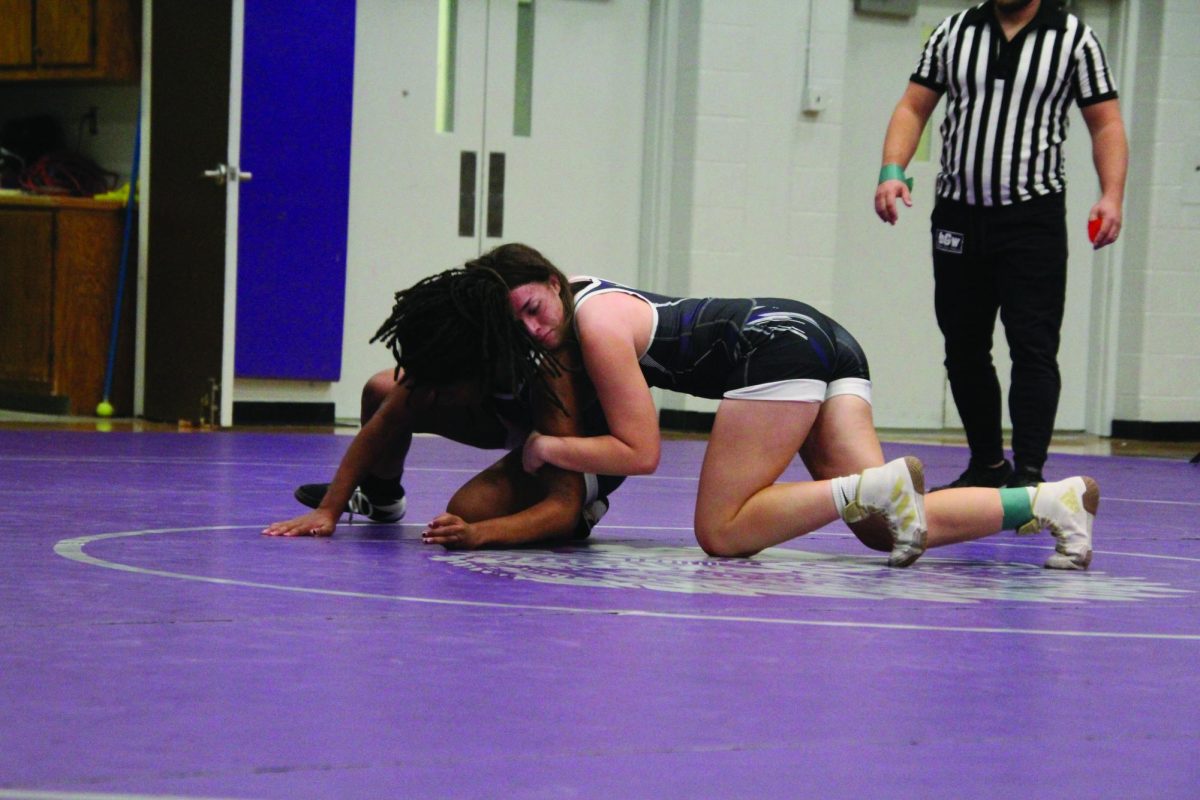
{"type": "Point", "coordinates": [592, 286]}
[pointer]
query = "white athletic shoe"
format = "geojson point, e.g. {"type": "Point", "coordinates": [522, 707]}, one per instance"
{"type": "Point", "coordinates": [1068, 509]}
{"type": "Point", "coordinates": [892, 496]}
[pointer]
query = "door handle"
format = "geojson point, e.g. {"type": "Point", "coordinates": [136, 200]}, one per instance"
{"type": "Point", "coordinates": [221, 173]}
{"type": "Point", "coordinates": [466, 193]}
{"type": "Point", "coordinates": [495, 196]}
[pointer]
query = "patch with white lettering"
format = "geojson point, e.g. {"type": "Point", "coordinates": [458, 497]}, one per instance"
{"type": "Point", "coordinates": [948, 241]}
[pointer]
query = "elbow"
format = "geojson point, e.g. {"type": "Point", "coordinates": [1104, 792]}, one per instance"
{"type": "Point", "coordinates": [645, 462]}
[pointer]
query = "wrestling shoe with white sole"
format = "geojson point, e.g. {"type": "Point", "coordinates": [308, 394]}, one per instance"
{"type": "Point", "coordinates": [593, 512]}
{"type": "Point", "coordinates": [376, 509]}
{"type": "Point", "coordinates": [890, 499]}
{"type": "Point", "coordinates": [1067, 508]}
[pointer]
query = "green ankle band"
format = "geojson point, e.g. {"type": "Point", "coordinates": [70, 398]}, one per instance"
{"type": "Point", "coordinates": [1018, 508]}
{"type": "Point", "coordinates": [890, 172]}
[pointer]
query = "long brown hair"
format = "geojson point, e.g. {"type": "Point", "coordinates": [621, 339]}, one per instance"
{"type": "Point", "coordinates": [518, 264]}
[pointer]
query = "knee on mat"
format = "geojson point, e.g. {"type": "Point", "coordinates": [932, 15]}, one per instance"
{"type": "Point", "coordinates": [470, 506]}
{"type": "Point", "coordinates": [720, 542]}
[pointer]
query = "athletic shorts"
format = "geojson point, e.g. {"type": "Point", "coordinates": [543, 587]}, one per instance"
{"type": "Point", "coordinates": [795, 353]}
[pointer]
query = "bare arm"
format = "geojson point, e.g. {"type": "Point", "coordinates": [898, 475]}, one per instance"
{"type": "Point", "coordinates": [555, 516]}
{"type": "Point", "coordinates": [634, 444]}
{"type": "Point", "coordinates": [903, 134]}
{"type": "Point", "coordinates": [505, 506]}
{"type": "Point", "coordinates": [1110, 154]}
{"type": "Point", "coordinates": [394, 416]}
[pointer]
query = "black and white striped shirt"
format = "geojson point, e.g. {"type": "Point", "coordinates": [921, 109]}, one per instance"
{"type": "Point", "coordinates": [1007, 102]}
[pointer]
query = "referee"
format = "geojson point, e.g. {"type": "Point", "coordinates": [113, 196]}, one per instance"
{"type": "Point", "coordinates": [1010, 70]}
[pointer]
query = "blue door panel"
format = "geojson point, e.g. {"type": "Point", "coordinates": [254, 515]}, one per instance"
{"type": "Point", "coordinates": [298, 84]}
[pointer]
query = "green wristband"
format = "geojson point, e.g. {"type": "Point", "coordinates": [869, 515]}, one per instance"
{"type": "Point", "coordinates": [894, 172]}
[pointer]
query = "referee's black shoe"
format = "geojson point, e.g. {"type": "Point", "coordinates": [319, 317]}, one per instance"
{"type": "Point", "coordinates": [1023, 477]}
{"type": "Point", "coordinates": [981, 475]}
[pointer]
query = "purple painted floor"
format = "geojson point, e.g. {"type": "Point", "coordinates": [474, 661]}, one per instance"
{"type": "Point", "coordinates": [153, 644]}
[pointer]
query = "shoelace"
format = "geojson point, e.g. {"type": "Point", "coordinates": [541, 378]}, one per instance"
{"type": "Point", "coordinates": [358, 501]}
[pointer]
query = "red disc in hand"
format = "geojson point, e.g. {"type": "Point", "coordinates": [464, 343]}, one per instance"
{"type": "Point", "coordinates": [1093, 229]}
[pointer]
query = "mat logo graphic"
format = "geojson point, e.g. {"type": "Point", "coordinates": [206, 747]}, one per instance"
{"type": "Point", "coordinates": [949, 241]}
{"type": "Point", "coordinates": [797, 573]}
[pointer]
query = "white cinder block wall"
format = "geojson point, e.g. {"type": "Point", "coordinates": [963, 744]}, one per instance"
{"type": "Point", "coordinates": [1158, 366]}
{"type": "Point", "coordinates": [755, 196]}
{"type": "Point", "coordinates": [757, 185]}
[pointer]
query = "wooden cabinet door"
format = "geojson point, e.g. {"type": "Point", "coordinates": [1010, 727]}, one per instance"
{"type": "Point", "coordinates": [16, 34]}
{"type": "Point", "coordinates": [66, 33]}
{"type": "Point", "coordinates": [70, 40]}
{"type": "Point", "coordinates": [26, 298]}
{"type": "Point", "coordinates": [87, 254]}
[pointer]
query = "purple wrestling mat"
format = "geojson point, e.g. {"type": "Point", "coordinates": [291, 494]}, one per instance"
{"type": "Point", "coordinates": [155, 645]}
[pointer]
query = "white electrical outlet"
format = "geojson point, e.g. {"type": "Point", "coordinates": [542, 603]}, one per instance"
{"type": "Point", "coordinates": [814, 99]}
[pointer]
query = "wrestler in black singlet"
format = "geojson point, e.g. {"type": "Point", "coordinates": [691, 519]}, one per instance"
{"type": "Point", "coordinates": [712, 347]}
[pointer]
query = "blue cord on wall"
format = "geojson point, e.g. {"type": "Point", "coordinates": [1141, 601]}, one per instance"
{"type": "Point", "coordinates": [105, 409]}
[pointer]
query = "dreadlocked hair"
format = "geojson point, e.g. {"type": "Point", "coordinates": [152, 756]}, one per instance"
{"type": "Point", "coordinates": [458, 326]}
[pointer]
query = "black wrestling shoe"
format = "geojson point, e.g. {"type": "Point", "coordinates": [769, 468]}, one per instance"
{"type": "Point", "coordinates": [590, 518]}
{"type": "Point", "coordinates": [376, 509]}
{"type": "Point", "coordinates": [1023, 477]}
{"type": "Point", "coordinates": [980, 475]}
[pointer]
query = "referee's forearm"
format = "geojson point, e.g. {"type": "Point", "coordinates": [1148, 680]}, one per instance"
{"type": "Point", "coordinates": [1110, 149]}
{"type": "Point", "coordinates": [1110, 153]}
{"type": "Point", "coordinates": [903, 134]}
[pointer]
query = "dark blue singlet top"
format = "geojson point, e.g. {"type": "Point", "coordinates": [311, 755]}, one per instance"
{"type": "Point", "coordinates": [708, 346]}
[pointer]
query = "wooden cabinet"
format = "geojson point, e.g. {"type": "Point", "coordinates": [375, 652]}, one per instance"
{"type": "Point", "coordinates": [98, 40]}
{"type": "Point", "coordinates": [59, 260]}
{"type": "Point", "coordinates": [26, 298]}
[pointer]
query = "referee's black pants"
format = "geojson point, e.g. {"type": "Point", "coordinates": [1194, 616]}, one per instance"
{"type": "Point", "coordinates": [1012, 259]}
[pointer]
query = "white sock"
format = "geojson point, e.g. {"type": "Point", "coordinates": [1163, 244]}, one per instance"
{"type": "Point", "coordinates": [844, 490]}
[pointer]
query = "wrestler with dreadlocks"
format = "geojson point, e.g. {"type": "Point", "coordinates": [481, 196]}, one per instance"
{"type": "Point", "coordinates": [466, 370]}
